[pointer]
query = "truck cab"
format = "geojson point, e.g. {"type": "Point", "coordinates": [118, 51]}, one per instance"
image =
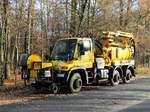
{"type": "Point", "coordinates": [72, 59]}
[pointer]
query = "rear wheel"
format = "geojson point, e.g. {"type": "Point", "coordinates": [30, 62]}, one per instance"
{"type": "Point", "coordinates": [75, 83]}
{"type": "Point", "coordinates": [115, 79]}
{"type": "Point", "coordinates": [127, 77]}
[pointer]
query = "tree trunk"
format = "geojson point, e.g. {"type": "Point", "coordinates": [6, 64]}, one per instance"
{"type": "Point", "coordinates": [121, 19]}
{"type": "Point", "coordinates": [32, 24]}
{"type": "Point", "coordinates": [47, 24]}
{"type": "Point", "coordinates": [81, 13]}
{"type": "Point", "coordinates": [93, 15]}
{"type": "Point", "coordinates": [128, 15]}
{"type": "Point", "coordinates": [7, 37]}
{"type": "Point", "coordinates": [28, 33]}
{"type": "Point", "coordinates": [42, 28]}
{"type": "Point", "coordinates": [88, 14]}
{"type": "Point", "coordinates": [73, 17]}
{"type": "Point", "coordinates": [16, 46]}
{"type": "Point", "coordinates": [66, 6]}
{"type": "Point", "coordinates": [2, 56]}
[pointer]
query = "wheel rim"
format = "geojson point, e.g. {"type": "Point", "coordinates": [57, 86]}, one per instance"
{"type": "Point", "coordinates": [77, 84]}
{"type": "Point", "coordinates": [116, 78]}
{"type": "Point", "coordinates": [54, 88]}
{"type": "Point", "coordinates": [129, 76]}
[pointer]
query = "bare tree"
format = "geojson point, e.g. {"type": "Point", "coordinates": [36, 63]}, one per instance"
{"type": "Point", "coordinates": [1, 47]}
{"type": "Point", "coordinates": [29, 24]}
{"type": "Point", "coordinates": [121, 18]}
{"type": "Point", "coordinates": [67, 14]}
{"type": "Point", "coordinates": [82, 10]}
{"type": "Point", "coordinates": [6, 21]}
{"type": "Point", "coordinates": [73, 28]}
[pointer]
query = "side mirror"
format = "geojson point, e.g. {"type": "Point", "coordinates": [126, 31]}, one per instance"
{"type": "Point", "coordinates": [81, 49]}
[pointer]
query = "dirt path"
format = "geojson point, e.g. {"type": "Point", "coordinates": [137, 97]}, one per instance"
{"type": "Point", "coordinates": [21, 94]}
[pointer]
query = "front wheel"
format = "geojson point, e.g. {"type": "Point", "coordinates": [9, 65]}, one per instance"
{"type": "Point", "coordinates": [115, 78]}
{"type": "Point", "coordinates": [53, 88]}
{"type": "Point", "coordinates": [75, 83]}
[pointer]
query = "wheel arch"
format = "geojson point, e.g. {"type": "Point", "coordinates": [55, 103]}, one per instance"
{"type": "Point", "coordinates": [119, 69]}
{"type": "Point", "coordinates": [113, 68]}
{"type": "Point", "coordinates": [81, 70]}
{"type": "Point", "coordinates": [132, 70]}
{"type": "Point", "coordinates": [130, 67]}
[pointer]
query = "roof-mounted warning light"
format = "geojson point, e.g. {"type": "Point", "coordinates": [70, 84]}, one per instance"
{"type": "Point", "coordinates": [70, 35]}
{"type": "Point", "coordinates": [90, 32]}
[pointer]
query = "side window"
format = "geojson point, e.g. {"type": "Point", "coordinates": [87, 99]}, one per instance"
{"type": "Point", "coordinates": [87, 45]}
{"type": "Point", "coordinates": [81, 46]}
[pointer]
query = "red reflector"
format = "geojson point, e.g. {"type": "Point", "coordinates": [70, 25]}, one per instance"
{"type": "Point", "coordinates": [64, 68]}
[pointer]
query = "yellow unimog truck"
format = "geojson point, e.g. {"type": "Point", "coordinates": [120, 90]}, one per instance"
{"type": "Point", "coordinates": [78, 61]}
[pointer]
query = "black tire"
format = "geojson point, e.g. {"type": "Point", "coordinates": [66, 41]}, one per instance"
{"type": "Point", "coordinates": [75, 83]}
{"type": "Point", "coordinates": [115, 78]}
{"type": "Point", "coordinates": [127, 77]}
{"type": "Point", "coordinates": [133, 49]}
{"type": "Point", "coordinates": [37, 86]}
{"type": "Point", "coordinates": [54, 88]}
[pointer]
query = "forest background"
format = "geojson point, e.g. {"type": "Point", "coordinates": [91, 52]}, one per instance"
{"type": "Point", "coordinates": [32, 26]}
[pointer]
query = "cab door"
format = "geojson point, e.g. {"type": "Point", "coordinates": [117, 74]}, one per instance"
{"type": "Point", "coordinates": [85, 53]}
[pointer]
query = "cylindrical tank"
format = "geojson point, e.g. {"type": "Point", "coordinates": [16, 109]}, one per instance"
{"type": "Point", "coordinates": [113, 50]}
{"type": "Point", "coordinates": [27, 60]}
{"type": "Point", "coordinates": [32, 59]}
{"type": "Point", "coordinates": [123, 54]}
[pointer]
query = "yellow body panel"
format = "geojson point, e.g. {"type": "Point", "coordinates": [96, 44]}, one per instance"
{"type": "Point", "coordinates": [46, 65]}
{"type": "Point", "coordinates": [35, 63]}
{"type": "Point", "coordinates": [33, 73]}
{"type": "Point", "coordinates": [33, 58]}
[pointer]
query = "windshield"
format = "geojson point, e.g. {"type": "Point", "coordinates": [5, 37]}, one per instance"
{"type": "Point", "coordinates": [64, 49]}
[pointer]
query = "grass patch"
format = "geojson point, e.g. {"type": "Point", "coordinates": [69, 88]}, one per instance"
{"type": "Point", "coordinates": [141, 72]}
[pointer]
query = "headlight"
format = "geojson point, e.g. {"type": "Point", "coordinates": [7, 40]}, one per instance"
{"type": "Point", "coordinates": [47, 73]}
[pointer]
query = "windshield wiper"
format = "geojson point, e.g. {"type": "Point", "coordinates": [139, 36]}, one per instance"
{"type": "Point", "coordinates": [56, 58]}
